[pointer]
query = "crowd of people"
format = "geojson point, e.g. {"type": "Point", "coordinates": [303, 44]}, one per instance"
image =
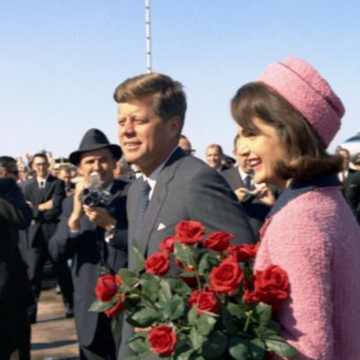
{"type": "Point", "coordinates": [279, 187]}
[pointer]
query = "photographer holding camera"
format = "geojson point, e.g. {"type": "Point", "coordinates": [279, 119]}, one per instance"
{"type": "Point", "coordinates": [93, 233]}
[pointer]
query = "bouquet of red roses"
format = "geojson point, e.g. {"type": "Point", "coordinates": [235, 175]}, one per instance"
{"type": "Point", "coordinates": [212, 307]}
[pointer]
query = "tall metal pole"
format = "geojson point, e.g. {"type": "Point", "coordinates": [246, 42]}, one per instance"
{"type": "Point", "coordinates": [148, 36]}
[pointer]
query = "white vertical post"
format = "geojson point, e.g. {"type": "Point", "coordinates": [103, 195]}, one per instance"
{"type": "Point", "coordinates": [148, 36]}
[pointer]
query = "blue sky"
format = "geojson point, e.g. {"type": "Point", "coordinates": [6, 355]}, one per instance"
{"type": "Point", "coordinates": [60, 61]}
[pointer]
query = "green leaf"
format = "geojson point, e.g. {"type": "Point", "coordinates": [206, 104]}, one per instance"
{"type": "Point", "coordinates": [179, 286]}
{"type": "Point", "coordinates": [150, 286]}
{"type": "Point", "coordinates": [205, 324]}
{"type": "Point", "coordinates": [139, 345]}
{"type": "Point", "coordinates": [238, 348]}
{"type": "Point", "coordinates": [174, 308]}
{"type": "Point", "coordinates": [138, 257]}
{"type": "Point", "coordinates": [262, 312]}
{"type": "Point", "coordinates": [99, 306]}
{"type": "Point", "coordinates": [215, 345]}
{"type": "Point", "coordinates": [257, 349]}
{"type": "Point", "coordinates": [181, 348]}
{"type": "Point", "coordinates": [185, 254]}
{"type": "Point", "coordinates": [196, 339]}
{"type": "Point", "coordinates": [129, 277]}
{"type": "Point", "coordinates": [165, 293]}
{"type": "Point", "coordinates": [207, 262]}
{"type": "Point", "coordinates": [192, 316]}
{"type": "Point", "coordinates": [187, 274]}
{"type": "Point", "coordinates": [144, 318]}
{"type": "Point", "coordinates": [265, 331]}
{"type": "Point", "coordinates": [115, 325]}
{"type": "Point", "coordinates": [185, 355]}
{"type": "Point", "coordinates": [279, 346]}
{"type": "Point", "coordinates": [236, 310]}
{"type": "Point", "coordinates": [228, 322]}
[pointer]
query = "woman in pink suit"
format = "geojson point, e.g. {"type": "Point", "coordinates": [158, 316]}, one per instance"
{"type": "Point", "coordinates": [286, 120]}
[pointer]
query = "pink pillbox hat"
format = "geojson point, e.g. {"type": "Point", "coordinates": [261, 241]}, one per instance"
{"type": "Point", "coordinates": [303, 87]}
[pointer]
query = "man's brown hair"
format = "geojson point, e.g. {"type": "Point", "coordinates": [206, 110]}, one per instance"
{"type": "Point", "coordinates": [169, 96]}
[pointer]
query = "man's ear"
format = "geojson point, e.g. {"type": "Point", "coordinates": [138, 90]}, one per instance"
{"type": "Point", "coordinates": [175, 124]}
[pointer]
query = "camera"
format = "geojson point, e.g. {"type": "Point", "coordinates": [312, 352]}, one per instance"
{"type": "Point", "coordinates": [94, 195]}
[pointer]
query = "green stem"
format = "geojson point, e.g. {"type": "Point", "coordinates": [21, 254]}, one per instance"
{"type": "Point", "coordinates": [248, 317]}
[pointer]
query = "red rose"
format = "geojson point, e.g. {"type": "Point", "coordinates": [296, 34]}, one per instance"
{"type": "Point", "coordinates": [270, 286]}
{"type": "Point", "coordinates": [162, 340]}
{"type": "Point", "coordinates": [167, 244]}
{"type": "Point", "coordinates": [189, 232]}
{"type": "Point", "coordinates": [226, 277]}
{"type": "Point", "coordinates": [106, 288]}
{"type": "Point", "coordinates": [244, 252]}
{"type": "Point", "coordinates": [218, 241]}
{"type": "Point", "coordinates": [157, 263]}
{"type": "Point", "coordinates": [118, 308]}
{"type": "Point", "coordinates": [205, 301]}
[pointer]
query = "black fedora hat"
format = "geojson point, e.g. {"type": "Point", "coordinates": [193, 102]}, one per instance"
{"type": "Point", "coordinates": [94, 139]}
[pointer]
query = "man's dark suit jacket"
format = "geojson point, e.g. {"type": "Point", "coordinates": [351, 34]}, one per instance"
{"type": "Point", "coordinates": [15, 214]}
{"type": "Point", "coordinates": [352, 193]}
{"type": "Point", "coordinates": [255, 210]}
{"type": "Point", "coordinates": [186, 189]}
{"type": "Point", "coordinates": [45, 221]}
{"type": "Point", "coordinates": [90, 252]}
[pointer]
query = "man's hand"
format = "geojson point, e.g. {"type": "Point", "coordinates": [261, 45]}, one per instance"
{"type": "Point", "coordinates": [100, 216]}
{"type": "Point", "coordinates": [77, 213]}
{"type": "Point", "coordinates": [48, 205]}
{"type": "Point", "coordinates": [242, 192]}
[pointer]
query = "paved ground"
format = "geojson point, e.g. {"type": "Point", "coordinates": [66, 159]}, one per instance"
{"type": "Point", "coordinates": [53, 336]}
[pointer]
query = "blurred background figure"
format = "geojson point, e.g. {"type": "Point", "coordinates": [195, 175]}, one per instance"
{"type": "Point", "coordinates": [65, 174]}
{"type": "Point", "coordinates": [257, 199]}
{"type": "Point", "coordinates": [228, 161]}
{"type": "Point", "coordinates": [45, 194]}
{"type": "Point", "coordinates": [185, 144]}
{"type": "Point", "coordinates": [122, 169]}
{"type": "Point", "coordinates": [15, 291]}
{"type": "Point", "coordinates": [214, 157]}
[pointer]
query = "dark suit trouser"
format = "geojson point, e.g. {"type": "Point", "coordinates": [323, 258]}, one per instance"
{"type": "Point", "coordinates": [14, 333]}
{"type": "Point", "coordinates": [104, 345]}
{"type": "Point", "coordinates": [38, 258]}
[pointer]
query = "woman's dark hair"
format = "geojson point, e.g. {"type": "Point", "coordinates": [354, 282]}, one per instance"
{"type": "Point", "coordinates": [306, 154]}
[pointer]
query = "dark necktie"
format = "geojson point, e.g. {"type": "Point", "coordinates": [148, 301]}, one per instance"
{"type": "Point", "coordinates": [248, 182]}
{"type": "Point", "coordinates": [143, 204]}
{"type": "Point", "coordinates": [42, 184]}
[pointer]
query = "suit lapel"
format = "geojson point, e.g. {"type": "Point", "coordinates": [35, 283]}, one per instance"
{"type": "Point", "coordinates": [158, 198]}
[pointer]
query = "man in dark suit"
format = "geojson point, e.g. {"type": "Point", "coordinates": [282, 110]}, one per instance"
{"type": "Point", "coordinates": [257, 199]}
{"type": "Point", "coordinates": [45, 194]}
{"type": "Point", "coordinates": [15, 292]}
{"type": "Point", "coordinates": [176, 186]}
{"type": "Point", "coordinates": [95, 237]}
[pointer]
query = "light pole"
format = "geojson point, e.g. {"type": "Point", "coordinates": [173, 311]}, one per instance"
{"type": "Point", "coordinates": [148, 36]}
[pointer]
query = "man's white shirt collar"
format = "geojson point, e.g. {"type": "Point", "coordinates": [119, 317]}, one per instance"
{"type": "Point", "coordinates": [152, 178]}
{"type": "Point", "coordinates": [44, 180]}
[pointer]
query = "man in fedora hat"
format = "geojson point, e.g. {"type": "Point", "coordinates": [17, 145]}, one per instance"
{"type": "Point", "coordinates": [95, 237]}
